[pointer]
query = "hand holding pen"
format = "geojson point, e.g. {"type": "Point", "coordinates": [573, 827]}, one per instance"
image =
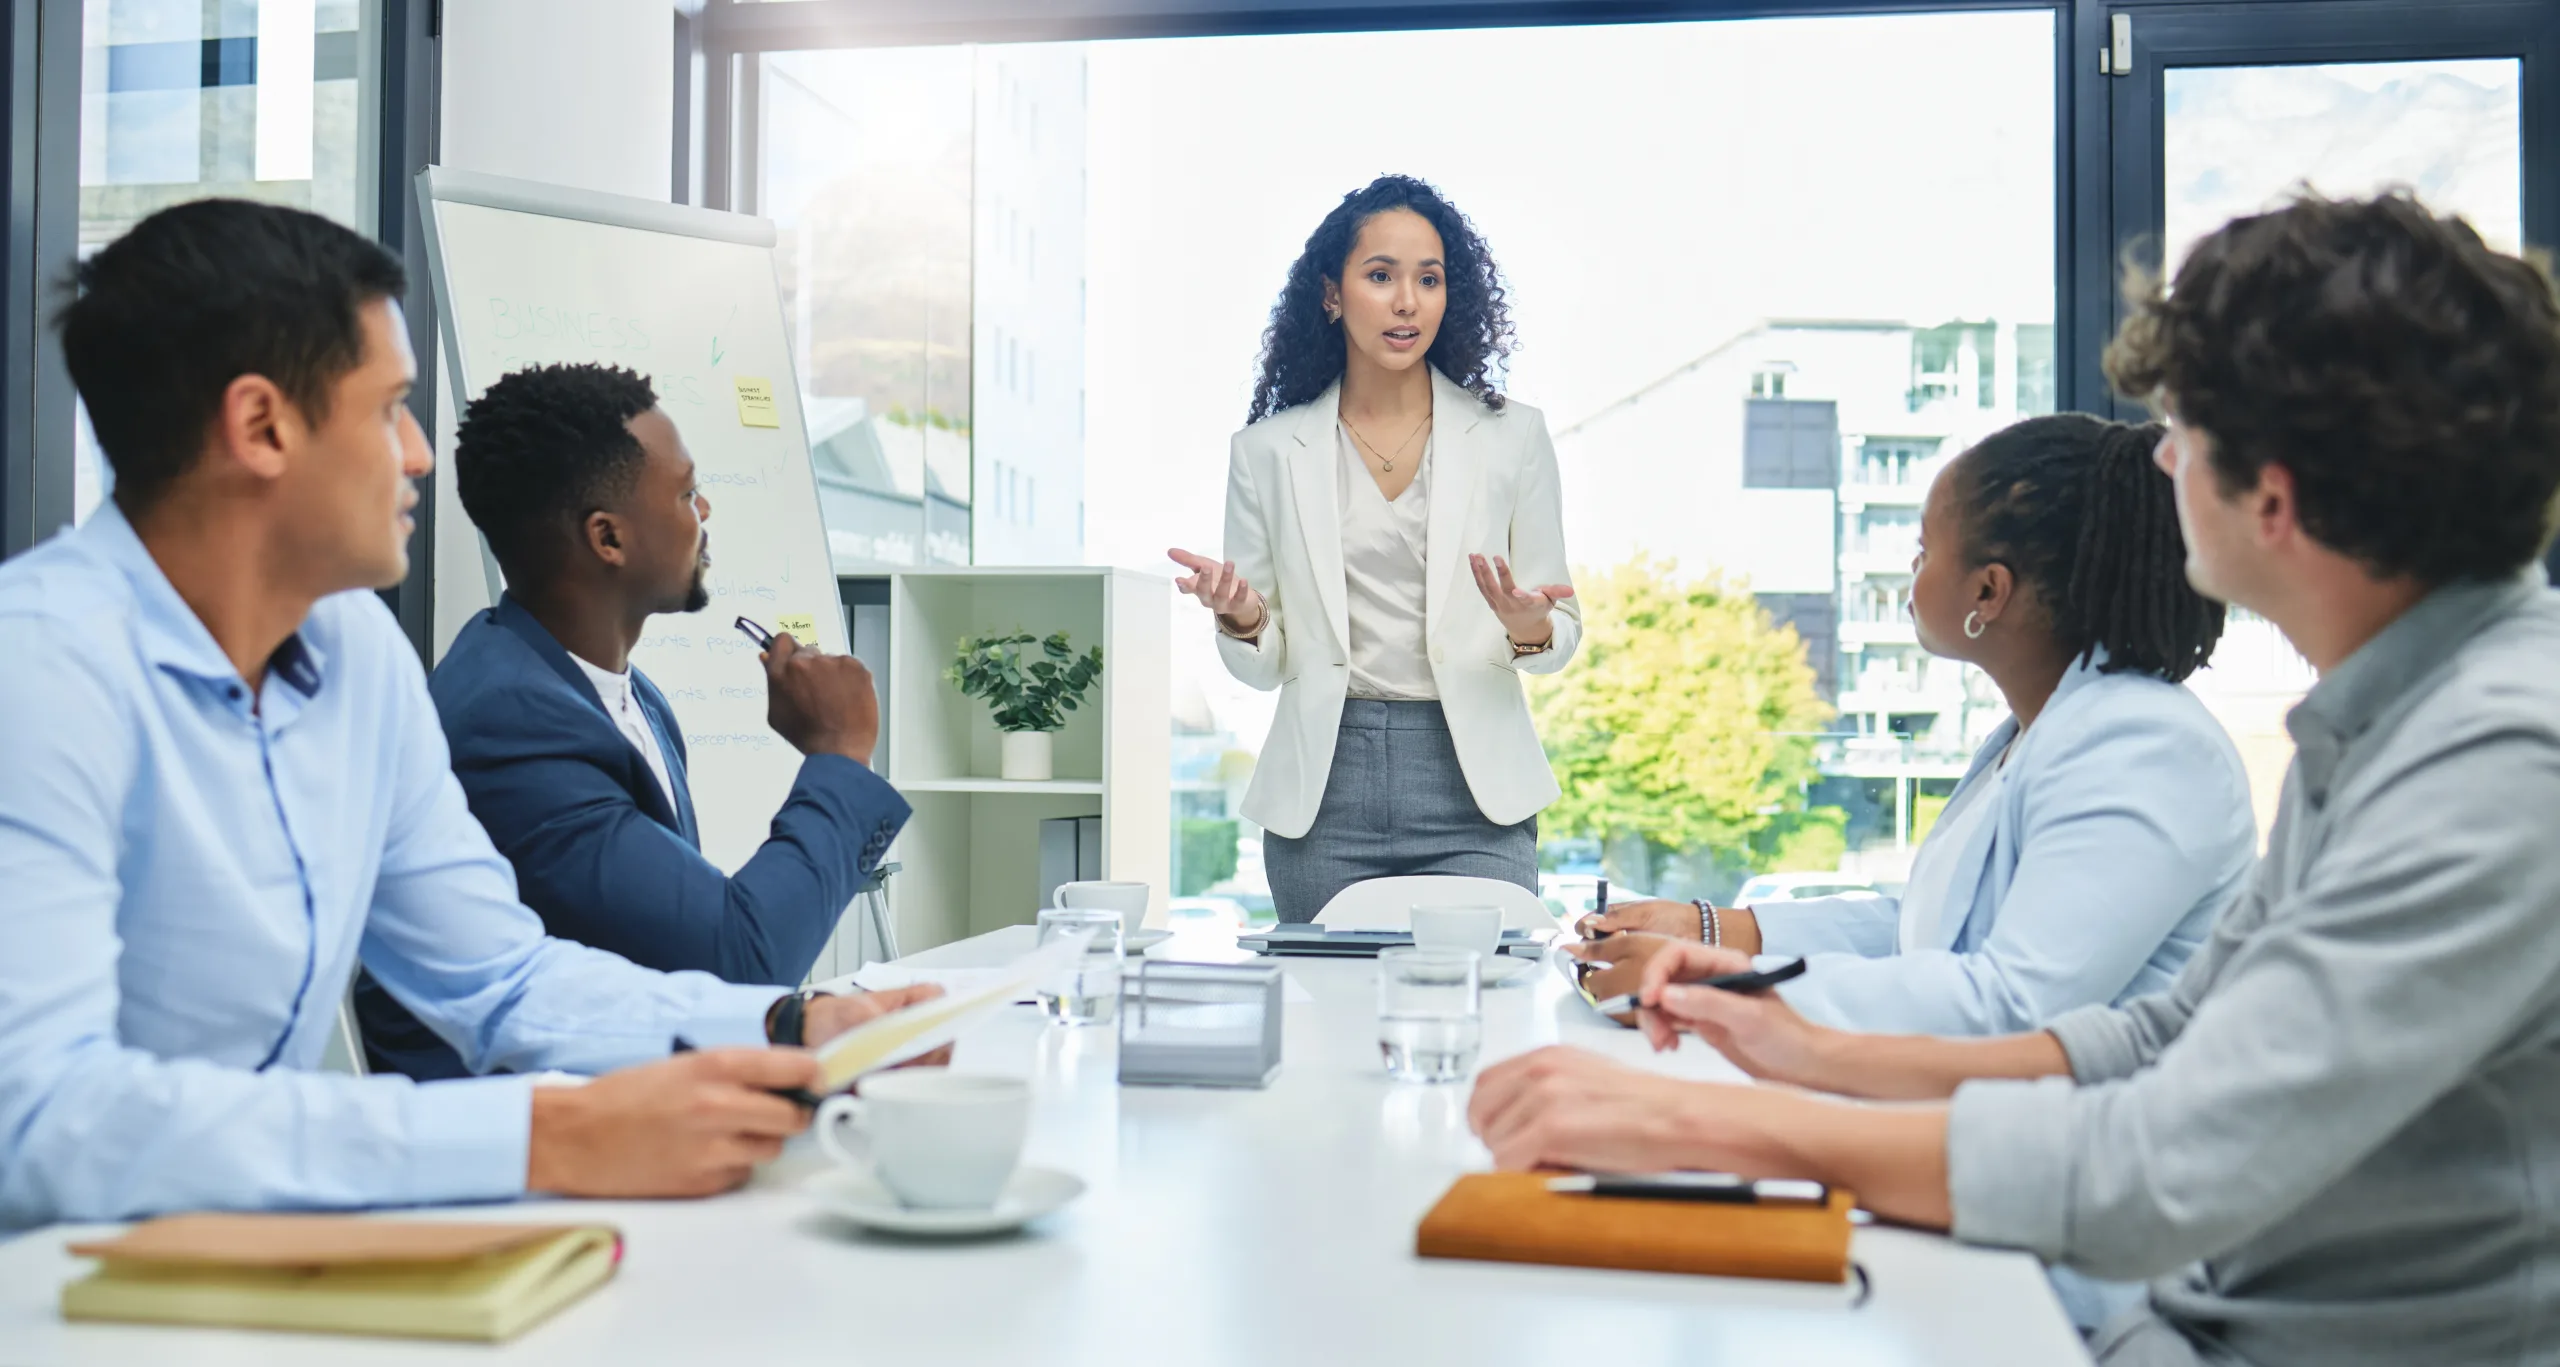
{"type": "Point", "coordinates": [1756, 1030]}
{"type": "Point", "coordinates": [823, 704]}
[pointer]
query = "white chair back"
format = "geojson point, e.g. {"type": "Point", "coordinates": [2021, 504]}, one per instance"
{"type": "Point", "coordinates": [345, 1053]}
{"type": "Point", "coordinates": [1388, 903]}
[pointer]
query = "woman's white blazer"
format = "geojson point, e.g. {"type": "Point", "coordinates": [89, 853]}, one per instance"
{"type": "Point", "coordinates": [1493, 492]}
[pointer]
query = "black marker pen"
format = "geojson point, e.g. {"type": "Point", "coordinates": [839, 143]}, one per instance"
{"type": "Point", "coordinates": [1693, 1186]}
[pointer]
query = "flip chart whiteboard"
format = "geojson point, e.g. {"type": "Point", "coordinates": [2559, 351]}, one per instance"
{"type": "Point", "coordinates": [529, 273]}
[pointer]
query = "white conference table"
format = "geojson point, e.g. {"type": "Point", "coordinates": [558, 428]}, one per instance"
{"type": "Point", "coordinates": [1220, 1227]}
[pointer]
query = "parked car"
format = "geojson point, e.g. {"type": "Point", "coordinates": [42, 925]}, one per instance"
{"type": "Point", "coordinates": [1571, 896]}
{"type": "Point", "coordinates": [1791, 887]}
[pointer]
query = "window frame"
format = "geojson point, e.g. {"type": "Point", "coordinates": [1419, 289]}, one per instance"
{"type": "Point", "coordinates": [37, 441]}
{"type": "Point", "coordinates": [2283, 32]}
{"type": "Point", "coordinates": [2277, 32]}
{"type": "Point", "coordinates": [40, 63]}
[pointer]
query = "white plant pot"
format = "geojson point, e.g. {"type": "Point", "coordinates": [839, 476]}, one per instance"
{"type": "Point", "coordinates": [1027, 755]}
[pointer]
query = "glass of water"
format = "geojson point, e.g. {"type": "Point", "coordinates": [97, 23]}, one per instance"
{"type": "Point", "coordinates": [1088, 991]}
{"type": "Point", "coordinates": [1430, 1013]}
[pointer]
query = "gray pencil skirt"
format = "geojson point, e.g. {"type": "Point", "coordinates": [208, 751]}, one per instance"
{"type": "Point", "coordinates": [1395, 804]}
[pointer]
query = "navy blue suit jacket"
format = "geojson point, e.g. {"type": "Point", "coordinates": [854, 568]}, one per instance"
{"type": "Point", "coordinates": [598, 852]}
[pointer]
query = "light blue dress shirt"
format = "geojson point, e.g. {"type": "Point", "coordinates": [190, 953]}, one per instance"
{"type": "Point", "coordinates": [187, 882]}
{"type": "Point", "coordinates": [2119, 833]}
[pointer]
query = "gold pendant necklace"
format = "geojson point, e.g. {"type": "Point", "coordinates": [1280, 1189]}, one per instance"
{"type": "Point", "coordinates": [1386, 463]}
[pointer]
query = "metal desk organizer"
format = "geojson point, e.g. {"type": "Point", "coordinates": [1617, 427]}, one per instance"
{"type": "Point", "coordinates": [1200, 1025]}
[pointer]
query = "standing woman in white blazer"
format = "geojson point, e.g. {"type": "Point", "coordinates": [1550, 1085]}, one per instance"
{"type": "Point", "coordinates": [1395, 561]}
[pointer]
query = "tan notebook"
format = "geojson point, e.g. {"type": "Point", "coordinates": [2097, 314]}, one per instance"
{"type": "Point", "coordinates": [343, 1274]}
{"type": "Point", "coordinates": [1511, 1217]}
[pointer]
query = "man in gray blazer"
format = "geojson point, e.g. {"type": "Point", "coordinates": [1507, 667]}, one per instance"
{"type": "Point", "coordinates": [2334, 1139]}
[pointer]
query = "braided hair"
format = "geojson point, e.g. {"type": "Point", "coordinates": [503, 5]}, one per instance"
{"type": "Point", "coordinates": [2074, 506]}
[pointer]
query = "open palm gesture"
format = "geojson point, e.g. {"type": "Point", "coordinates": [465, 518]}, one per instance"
{"type": "Point", "coordinates": [1523, 612]}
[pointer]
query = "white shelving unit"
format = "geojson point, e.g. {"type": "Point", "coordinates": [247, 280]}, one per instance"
{"type": "Point", "coordinates": [969, 859]}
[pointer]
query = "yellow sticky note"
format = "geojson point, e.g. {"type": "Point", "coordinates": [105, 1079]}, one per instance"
{"type": "Point", "coordinates": [755, 403]}
{"type": "Point", "coordinates": [802, 629]}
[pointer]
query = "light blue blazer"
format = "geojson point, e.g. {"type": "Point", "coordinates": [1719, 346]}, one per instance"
{"type": "Point", "coordinates": [2123, 830]}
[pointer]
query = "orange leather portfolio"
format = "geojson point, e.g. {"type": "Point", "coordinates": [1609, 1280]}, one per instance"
{"type": "Point", "coordinates": [1511, 1217]}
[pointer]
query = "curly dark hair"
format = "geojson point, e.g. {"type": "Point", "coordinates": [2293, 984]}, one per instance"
{"type": "Point", "coordinates": [1302, 353]}
{"type": "Point", "coordinates": [2075, 506]}
{"type": "Point", "coordinates": [2406, 376]}
{"type": "Point", "coordinates": [540, 450]}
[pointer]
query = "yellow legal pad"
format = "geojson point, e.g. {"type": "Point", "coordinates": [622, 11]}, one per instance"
{"type": "Point", "coordinates": [343, 1274]}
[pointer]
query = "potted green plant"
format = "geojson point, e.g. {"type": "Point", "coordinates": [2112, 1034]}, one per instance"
{"type": "Point", "coordinates": [1030, 701]}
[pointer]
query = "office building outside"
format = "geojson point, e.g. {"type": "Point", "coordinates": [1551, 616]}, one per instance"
{"type": "Point", "coordinates": [931, 206]}
{"type": "Point", "coordinates": [1797, 455]}
{"type": "Point", "coordinates": [1029, 305]}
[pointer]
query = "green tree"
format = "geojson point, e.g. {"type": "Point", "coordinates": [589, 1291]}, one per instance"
{"type": "Point", "coordinates": [1207, 854]}
{"type": "Point", "coordinates": [1811, 841]}
{"type": "Point", "coordinates": [1683, 727]}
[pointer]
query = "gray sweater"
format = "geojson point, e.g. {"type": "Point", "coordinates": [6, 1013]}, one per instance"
{"type": "Point", "coordinates": [2336, 1138]}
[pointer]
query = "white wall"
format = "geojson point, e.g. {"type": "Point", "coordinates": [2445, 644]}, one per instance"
{"type": "Point", "coordinates": [573, 92]}
{"type": "Point", "coordinates": [576, 92]}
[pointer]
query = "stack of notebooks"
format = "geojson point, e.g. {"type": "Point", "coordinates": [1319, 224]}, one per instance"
{"type": "Point", "coordinates": [1511, 1217]}
{"type": "Point", "coordinates": [343, 1274]}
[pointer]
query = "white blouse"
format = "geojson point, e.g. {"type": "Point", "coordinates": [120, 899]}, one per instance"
{"type": "Point", "coordinates": [1384, 552]}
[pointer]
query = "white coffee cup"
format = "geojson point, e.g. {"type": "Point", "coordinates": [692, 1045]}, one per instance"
{"type": "Point", "coordinates": [1128, 899]}
{"type": "Point", "coordinates": [938, 1140]}
{"type": "Point", "coordinates": [1476, 928]}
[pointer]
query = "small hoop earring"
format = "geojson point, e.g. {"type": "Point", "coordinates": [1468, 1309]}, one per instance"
{"type": "Point", "coordinates": [1973, 626]}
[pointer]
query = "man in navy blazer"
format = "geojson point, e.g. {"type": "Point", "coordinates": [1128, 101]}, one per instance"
{"type": "Point", "coordinates": [574, 761]}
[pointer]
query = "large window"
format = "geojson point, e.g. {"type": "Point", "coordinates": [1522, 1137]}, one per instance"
{"type": "Point", "coordinates": [932, 207]}
{"type": "Point", "coordinates": [252, 99]}
{"type": "Point", "coordinates": [2237, 139]}
{"type": "Point", "coordinates": [1770, 276]}
{"type": "Point", "coordinates": [868, 159]}
{"type": "Point", "coordinates": [1756, 317]}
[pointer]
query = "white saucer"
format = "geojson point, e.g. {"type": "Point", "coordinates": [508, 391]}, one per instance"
{"type": "Point", "coordinates": [1137, 940]}
{"type": "Point", "coordinates": [1032, 1193]}
{"type": "Point", "coordinates": [1502, 970]}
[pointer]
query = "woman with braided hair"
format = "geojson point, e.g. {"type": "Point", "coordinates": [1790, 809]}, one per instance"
{"type": "Point", "coordinates": [2100, 830]}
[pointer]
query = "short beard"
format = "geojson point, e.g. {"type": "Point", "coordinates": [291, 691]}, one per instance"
{"type": "Point", "coordinates": [698, 596]}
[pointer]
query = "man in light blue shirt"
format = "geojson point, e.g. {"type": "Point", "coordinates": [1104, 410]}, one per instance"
{"type": "Point", "coordinates": [222, 785]}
